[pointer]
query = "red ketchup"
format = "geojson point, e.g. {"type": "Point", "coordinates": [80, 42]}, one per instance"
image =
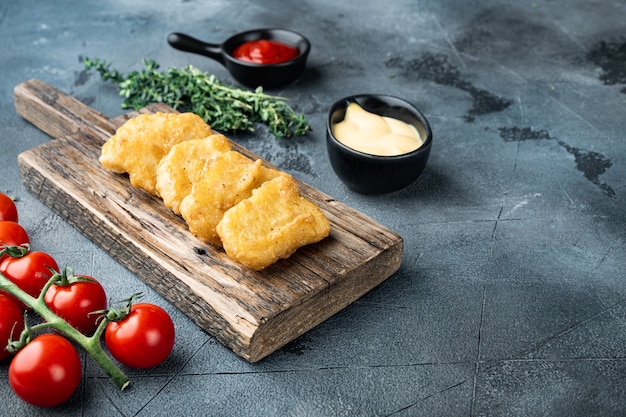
{"type": "Point", "coordinates": [265, 51]}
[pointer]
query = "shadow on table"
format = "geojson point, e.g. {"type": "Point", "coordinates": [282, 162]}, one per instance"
{"type": "Point", "coordinates": [433, 184]}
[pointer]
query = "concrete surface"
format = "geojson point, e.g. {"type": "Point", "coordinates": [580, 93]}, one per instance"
{"type": "Point", "coordinates": [511, 300]}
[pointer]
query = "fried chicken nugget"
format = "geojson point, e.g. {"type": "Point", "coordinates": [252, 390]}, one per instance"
{"type": "Point", "coordinates": [139, 144]}
{"type": "Point", "coordinates": [184, 165]}
{"type": "Point", "coordinates": [271, 225]}
{"type": "Point", "coordinates": [228, 178]}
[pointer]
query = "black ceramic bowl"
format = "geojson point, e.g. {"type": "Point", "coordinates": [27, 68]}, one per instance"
{"type": "Point", "coordinates": [269, 76]}
{"type": "Point", "coordinates": [371, 174]}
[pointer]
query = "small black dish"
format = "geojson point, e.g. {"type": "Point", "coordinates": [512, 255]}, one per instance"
{"type": "Point", "coordinates": [372, 174]}
{"type": "Point", "coordinates": [269, 76]}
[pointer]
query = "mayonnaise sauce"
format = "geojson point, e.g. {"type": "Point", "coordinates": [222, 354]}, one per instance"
{"type": "Point", "coordinates": [374, 134]}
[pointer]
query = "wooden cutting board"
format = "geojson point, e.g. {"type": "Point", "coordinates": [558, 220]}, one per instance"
{"type": "Point", "coordinates": [253, 313]}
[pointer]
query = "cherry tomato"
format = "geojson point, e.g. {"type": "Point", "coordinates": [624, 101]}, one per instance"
{"type": "Point", "coordinates": [8, 210]}
{"type": "Point", "coordinates": [46, 372]}
{"type": "Point", "coordinates": [11, 323]}
{"type": "Point", "coordinates": [29, 272]}
{"type": "Point", "coordinates": [142, 339]}
{"type": "Point", "coordinates": [76, 302]}
{"type": "Point", "coordinates": [12, 234]}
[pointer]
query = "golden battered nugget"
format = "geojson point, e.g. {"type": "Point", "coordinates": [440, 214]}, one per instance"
{"type": "Point", "coordinates": [139, 144]}
{"type": "Point", "coordinates": [271, 225]}
{"type": "Point", "coordinates": [228, 178]}
{"type": "Point", "coordinates": [184, 165]}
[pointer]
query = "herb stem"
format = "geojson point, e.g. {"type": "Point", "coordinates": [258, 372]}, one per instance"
{"type": "Point", "coordinates": [223, 107]}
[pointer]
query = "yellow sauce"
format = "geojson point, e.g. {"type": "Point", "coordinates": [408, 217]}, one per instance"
{"type": "Point", "coordinates": [374, 134]}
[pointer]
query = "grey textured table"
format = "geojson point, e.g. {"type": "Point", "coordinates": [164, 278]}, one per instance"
{"type": "Point", "coordinates": [511, 299]}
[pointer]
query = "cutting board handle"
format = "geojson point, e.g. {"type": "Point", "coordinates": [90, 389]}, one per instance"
{"type": "Point", "coordinates": [57, 113]}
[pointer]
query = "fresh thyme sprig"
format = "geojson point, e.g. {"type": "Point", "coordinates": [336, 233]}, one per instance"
{"type": "Point", "coordinates": [224, 107]}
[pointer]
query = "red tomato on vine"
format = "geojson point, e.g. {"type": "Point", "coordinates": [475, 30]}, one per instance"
{"type": "Point", "coordinates": [8, 210]}
{"type": "Point", "coordinates": [142, 339]}
{"type": "Point", "coordinates": [46, 371]}
{"type": "Point", "coordinates": [11, 323]}
{"type": "Point", "coordinates": [76, 299]}
{"type": "Point", "coordinates": [12, 234]}
{"type": "Point", "coordinates": [30, 271]}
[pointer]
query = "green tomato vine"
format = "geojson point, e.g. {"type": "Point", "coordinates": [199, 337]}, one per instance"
{"type": "Point", "coordinates": [91, 344]}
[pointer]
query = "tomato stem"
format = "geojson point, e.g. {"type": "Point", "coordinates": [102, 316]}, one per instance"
{"type": "Point", "coordinates": [16, 251]}
{"type": "Point", "coordinates": [119, 314]}
{"type": "Point", "coordinates": [91, 344]}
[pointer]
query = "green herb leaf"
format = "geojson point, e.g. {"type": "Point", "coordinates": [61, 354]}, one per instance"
{"type": "Point", "coordinates": [188, 89]}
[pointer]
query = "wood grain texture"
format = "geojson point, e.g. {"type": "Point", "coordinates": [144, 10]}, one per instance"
{"type": "Point", "coordinates": [253, 313]}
